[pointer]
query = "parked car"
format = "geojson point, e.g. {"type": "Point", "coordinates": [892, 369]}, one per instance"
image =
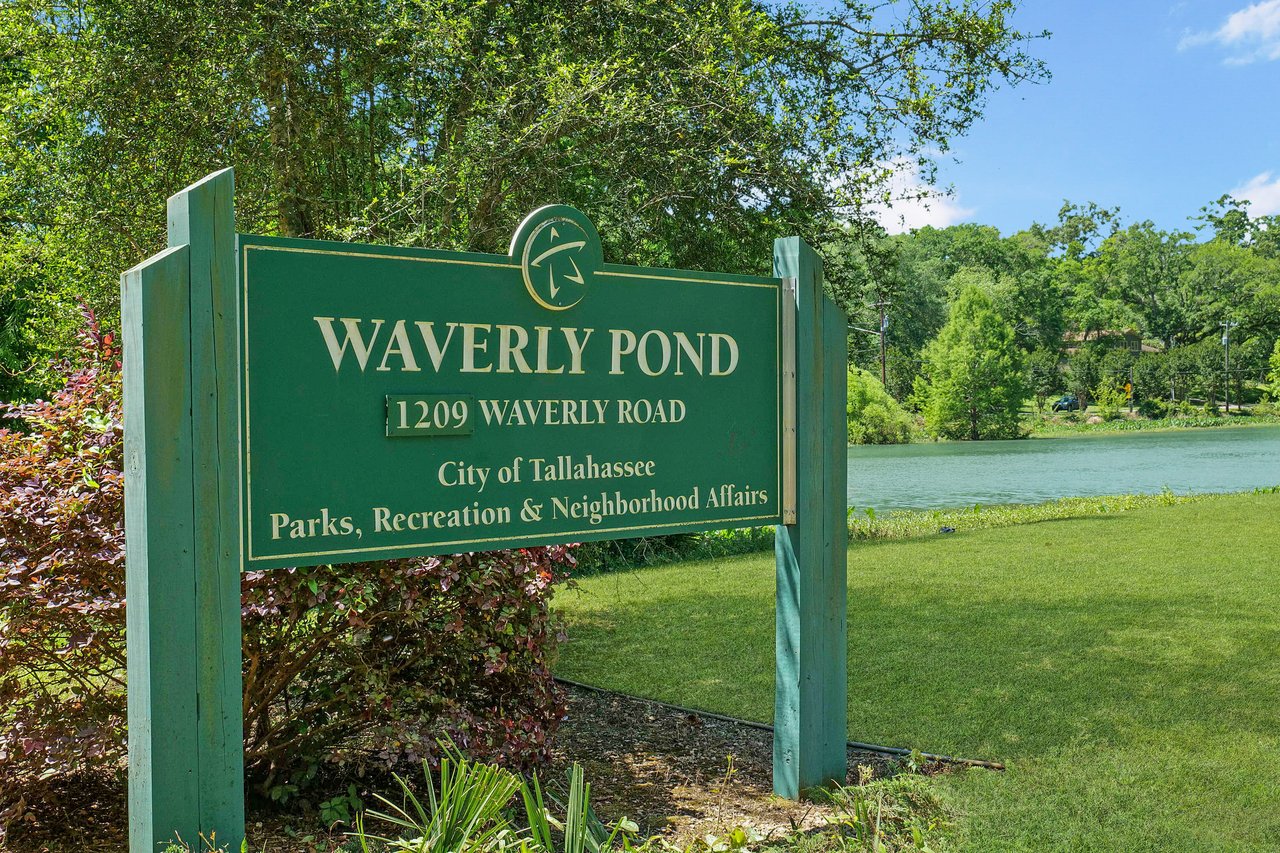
{"type": "Point", "coordinates": [1066, 403]}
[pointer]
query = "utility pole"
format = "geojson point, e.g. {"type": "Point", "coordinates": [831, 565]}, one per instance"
{"type": "Point", "coordinates": [882, 331]}
{"type": "Point", "coordinates": [884, 351]}
{"type": "Point", "coordinates": [1227, 325]}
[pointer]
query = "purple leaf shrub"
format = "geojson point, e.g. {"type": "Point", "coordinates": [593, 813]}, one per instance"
{"type": "Point", "coordinates": [352, 669]}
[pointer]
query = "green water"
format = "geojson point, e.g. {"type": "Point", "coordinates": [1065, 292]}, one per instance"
{"type": "Point", "coordinates": [957, 474]}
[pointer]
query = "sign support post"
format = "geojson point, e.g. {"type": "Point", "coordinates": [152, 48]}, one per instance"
{"type": "Point", "coordinates": [810, 704]}
{"type": "Point", "coordinates": [186, 761]}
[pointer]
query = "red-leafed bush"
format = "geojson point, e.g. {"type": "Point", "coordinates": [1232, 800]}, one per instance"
{"type": "Point", "coordinates": [361, 666]}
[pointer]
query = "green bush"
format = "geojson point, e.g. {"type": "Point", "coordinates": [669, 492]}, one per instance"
{"type": "Point", "coordinates": [1110, 399]}
{"type": "Point", "coordinates": [610, 555]}
{"type": "Point", "coordinates": [1153, 409]}
{"type": "Point", "coordinates": [874, 417]}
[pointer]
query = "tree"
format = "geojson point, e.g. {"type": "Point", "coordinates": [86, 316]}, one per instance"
{"type": "Point", "coordinates": [1081, 229]}
{"type": "Point", "coordinates": [1231, 223]}
{"type": "Point", "coordinates": [1205, 360]}
{"type": "Point", "coordinates": [1153, 378]}
{"type": "Point", "coordinates": [1229, 282]}
{"type": "Point", "coordinates": [1084, 370]}
{"type": "Point", "coordinates": [973, 383]}
{"type": "Point", "coordinates": [1143, 268]}
{"type": "Point", "coordinates": [693, 132]}
{"type": "Point", "coordinates": [1044, 378]}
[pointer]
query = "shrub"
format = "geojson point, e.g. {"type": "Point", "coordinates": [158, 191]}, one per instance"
{"type": "Point", "coordinates": [363, 665]}
{"type": "Point", "coordinates": [608, 555]}
{"type": "Point", "coordinates": [873, 416]}
{"type": "Point", "coordinates": [1110, 399]}
{"type": "Point", "coordinates": [1153, 409]}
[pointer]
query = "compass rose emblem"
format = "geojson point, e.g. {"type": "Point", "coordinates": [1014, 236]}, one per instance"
{"type": "Point", "coordinates": [558, 256]}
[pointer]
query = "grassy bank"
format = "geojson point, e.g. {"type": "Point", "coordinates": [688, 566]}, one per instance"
{"type": "Point", "coordinates": [1122, 664]}
{"type": "Point", "coordinates": [1047, 428]}
{"type": "Point", "coordinates": [911, 524]}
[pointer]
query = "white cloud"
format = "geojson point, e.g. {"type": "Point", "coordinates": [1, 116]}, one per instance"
{"type": "Point", "coordinates": [1263, 191]}
{"type": "Point", "coordinates": [915, 204]}
{"type": "Point", "coordinates": [1251, 34]}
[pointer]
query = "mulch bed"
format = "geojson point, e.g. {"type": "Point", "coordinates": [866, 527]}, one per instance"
{"type": "Point", "coordinates": [680, 774]}
{"type": "Point", "coordinates": [674, 773]}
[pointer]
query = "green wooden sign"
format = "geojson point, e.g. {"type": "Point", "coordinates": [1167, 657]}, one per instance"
{"type": "Point", "coordinates": [294, 402]}
{"type": "Point", "coordinates": [401, 402]}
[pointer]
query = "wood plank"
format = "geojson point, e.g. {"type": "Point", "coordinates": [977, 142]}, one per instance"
{"type": "Point", "coordinates": [835, 579]}
{"type": "Point", "coordinates": [202, 216]}
{"type": "Point", "coordinates": [809, 706]}
{"type": "Point", "coordinates": [159, 545]}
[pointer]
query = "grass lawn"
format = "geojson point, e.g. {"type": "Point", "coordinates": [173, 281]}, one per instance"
{"type": "Point", "coordinates": [1126, 666]}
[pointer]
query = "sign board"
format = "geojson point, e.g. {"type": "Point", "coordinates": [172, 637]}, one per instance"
{"type": "Point", "coordinates": [292, 402]}
{"type": "Point", "coordinates": [401, 402]}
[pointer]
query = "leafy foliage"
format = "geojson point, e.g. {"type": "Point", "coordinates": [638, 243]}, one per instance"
{"type": "Point", "coordinates": [1043, 376]}
{"type": "Point", "coordinates": [693, 133]}
{"type": "Point", "coordinates": [362, 665]}
{"type": "Point", "coordinates": [466, 815]}
{"type": "Point", "coordinates": [874, 417]}
{"type": "Point", "coordinates": [469, 815]}
{"type": "Point", "coordinates": [902, 812]}
{"type": "Point", "coordinates": [973, 384]}
{"type": "Point", "coordinates": [62, 651]}
{"type": "Point", "coordinates": [608, 555]}
{"type": "Point", "coordinates": [1111, 398]}
{"type": "Point", "coordinates": [913, 524]}
{"type": "Point", "coordinates": [1084, 372]}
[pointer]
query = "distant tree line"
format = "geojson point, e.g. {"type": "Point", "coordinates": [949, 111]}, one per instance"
{"type": "Point", "coordinates": [1083, 306]}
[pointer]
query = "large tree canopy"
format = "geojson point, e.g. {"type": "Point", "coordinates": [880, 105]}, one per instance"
{"type": "Point", "coordinates": [692, 131]}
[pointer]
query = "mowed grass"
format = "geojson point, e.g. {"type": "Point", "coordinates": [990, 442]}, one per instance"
{"type": "Point", "coordinates": [1125, 666]}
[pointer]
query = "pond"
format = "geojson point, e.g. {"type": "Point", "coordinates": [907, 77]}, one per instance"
{"type": "Point", "coordinates": [962, 473]}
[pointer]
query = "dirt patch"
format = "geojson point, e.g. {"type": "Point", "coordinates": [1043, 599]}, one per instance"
{"type": "Point", "coordinates": [679, 774]}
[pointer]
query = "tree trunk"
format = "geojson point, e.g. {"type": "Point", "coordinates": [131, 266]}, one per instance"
{"type": "Point", "coordinates": [283, 119]}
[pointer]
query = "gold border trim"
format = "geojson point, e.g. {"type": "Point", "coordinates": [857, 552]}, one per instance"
{"type": "Point", "coordinates": [247, 438]}
{"type": "Point", "coordinates": [266, 247]}
{"type": "Point", "coordinates": [685, 279]}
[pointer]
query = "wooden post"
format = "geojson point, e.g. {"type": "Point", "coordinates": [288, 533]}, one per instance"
{"type": "Point", "coordinates": [186, 747]}
{"type": "Point", "coordinates": [160, 564]}
{"type": "Point", "coordinates": [810, 706]}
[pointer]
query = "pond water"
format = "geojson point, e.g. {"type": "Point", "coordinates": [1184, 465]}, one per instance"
{"type": "Point", "coordinates": [962, 473]}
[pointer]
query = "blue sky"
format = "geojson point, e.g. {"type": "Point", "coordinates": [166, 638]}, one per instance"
{"type": "Point", "coordinates": [1155, 106]}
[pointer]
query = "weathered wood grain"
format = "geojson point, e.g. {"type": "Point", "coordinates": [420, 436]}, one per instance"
{"type": "Point", "coordinates": [810, 700]}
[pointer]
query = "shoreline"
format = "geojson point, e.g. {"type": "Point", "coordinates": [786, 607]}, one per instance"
{"type": "Point", "coordinates": [1124, 425]}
